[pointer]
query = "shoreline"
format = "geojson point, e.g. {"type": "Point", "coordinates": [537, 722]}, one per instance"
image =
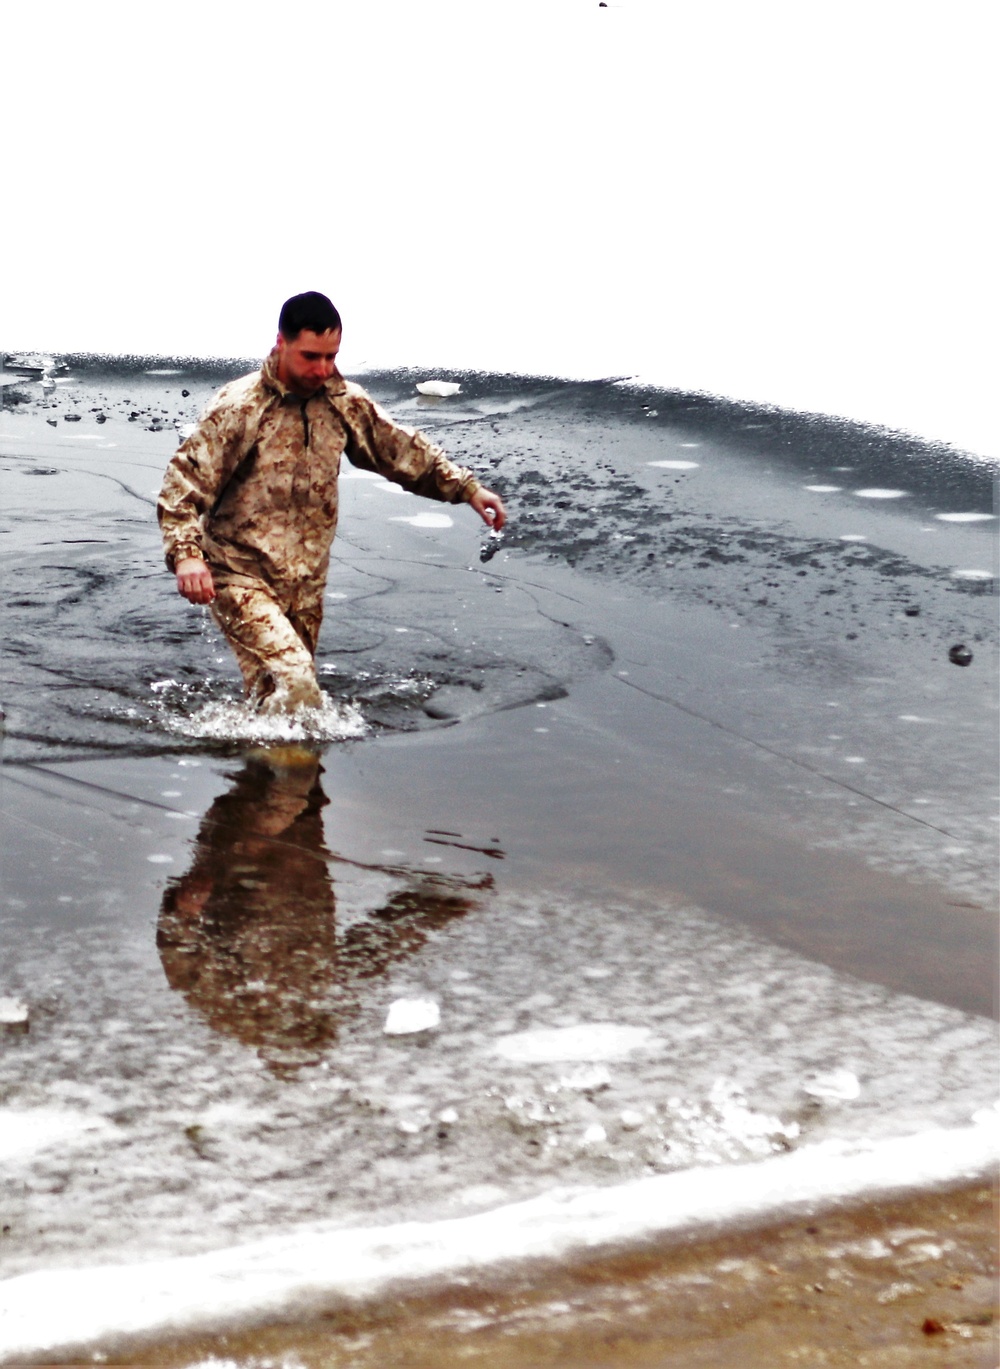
{"type": "Point", "coordinates": [877, 1284]}
{"type": "Point", "coordinates": [339, 1272]}
{"type": "Point", "coordinates": [865, 1286]}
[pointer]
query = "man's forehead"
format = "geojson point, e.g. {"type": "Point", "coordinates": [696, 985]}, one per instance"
{"type": "Point", "coordinates": [318, 342]}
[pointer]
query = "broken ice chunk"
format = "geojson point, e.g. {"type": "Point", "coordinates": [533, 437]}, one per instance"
{"type": "Point", "coordinates": [493, 543]}
{"type": "Point", "coordinates": [441, 389]}
{"type": "Point", "coordinates": [587, 1078]}
{"type": "Point", "coordinates": [838, 1085]}
{"type": "Point", "coordinates": [13, 1012]}
{"type": "Point", "coordinates": [407, 1015]}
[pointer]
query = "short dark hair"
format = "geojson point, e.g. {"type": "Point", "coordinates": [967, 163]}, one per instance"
{"type": "Point", "coordinates": [311, 310]}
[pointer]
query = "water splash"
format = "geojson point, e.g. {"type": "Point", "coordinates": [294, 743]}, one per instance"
{"type": "Point", "coordinates": [234, 720]}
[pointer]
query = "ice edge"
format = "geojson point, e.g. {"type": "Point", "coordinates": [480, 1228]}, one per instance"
{"type": "Point", "coordinates": [300, 1273]}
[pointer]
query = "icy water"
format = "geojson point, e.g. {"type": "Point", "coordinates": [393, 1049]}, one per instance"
{"type": "Point", "coordinates": [657, 838]}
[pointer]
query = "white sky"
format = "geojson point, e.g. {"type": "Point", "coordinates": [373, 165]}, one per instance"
{"type": "Point", "coordinates": [772, 199]}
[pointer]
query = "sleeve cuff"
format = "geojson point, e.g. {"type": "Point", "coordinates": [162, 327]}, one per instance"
{"type": "Point", "coordinates": [184, 552]}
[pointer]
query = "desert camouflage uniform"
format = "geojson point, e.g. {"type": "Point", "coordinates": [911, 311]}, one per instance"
{"type": "Point", "coordinates": [253, 492]}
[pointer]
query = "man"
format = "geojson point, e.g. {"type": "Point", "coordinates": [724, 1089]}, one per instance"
{"type": "Point", "coordinates": [248, 508]}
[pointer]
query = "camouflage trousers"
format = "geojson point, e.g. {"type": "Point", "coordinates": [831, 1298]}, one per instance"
{"type": "Point", "coordinates": [273, 635]}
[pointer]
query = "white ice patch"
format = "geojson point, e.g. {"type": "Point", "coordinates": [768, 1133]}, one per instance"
{"type": "Point", "coordinates": [164, 371]}
{"type": "Point", "coordinates": [427, 520]}
{"type": "Point", "coordinates": [823, 489]}
{"type": "Point", "coordinates": [160, 859]}
{"type": "Point", "coordinates": [880, 494]}
{"type": "Point", "coordinates": [586, 1078]}
{"type": "Point", "coordinates": [840, 1085]}
{"type": "Point", "coordinates": [13, 1012]}
{"type": "Point", "coordinates": [261, 1280]}
{"type": "Point", "coordinates": [229, 720]}
{"type": "Point", "coordinates": [26, 1131]}
{"type": "Point", "coordinates": [853, 537]}
{"type": "Point", "coordinates": [972, 574]}
{"type": "Point", "coordinates": [754, 1130]}
{"type": "Point", "coordinates": [440, 389]}
{"type": "Point", "coordinates": [674, 465]}
{"type": "Point", "coordinates": [408, 1015]}
{"type": "Point", "coordinates": [965, 517]}
{"type": "Point", "coordinates": [589, 1042]}
{"type": "Point", "coordinates": [353, 473]}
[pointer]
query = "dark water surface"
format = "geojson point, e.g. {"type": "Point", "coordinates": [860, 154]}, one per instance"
{"type": "Point", "coordinates": [684, 759]}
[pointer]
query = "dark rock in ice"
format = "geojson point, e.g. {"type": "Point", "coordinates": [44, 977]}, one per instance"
{"type": "Point", "coordinates": [71, 418]}
{"type": "Point", "coordinates": [912, 611]}
{"type": "Point", "coordinates": [101, 418]}
{"type": "Point", "coordinates": [52, 422]}
{"type": "Point", "coordinates": [185, 394]}
{"type": "Point", "coordinates": [489, 549]}
{"type": "Point", "coordinates": [960, 655]}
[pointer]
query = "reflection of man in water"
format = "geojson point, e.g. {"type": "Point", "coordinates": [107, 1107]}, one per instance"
{"type": "Point", "coordinates": [248, 935]}
{"type": "Point", "coordinates": [248, 508]}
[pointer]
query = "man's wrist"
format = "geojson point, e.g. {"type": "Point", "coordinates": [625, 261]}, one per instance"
{"type": "Point", "coordinates": [191, 553]}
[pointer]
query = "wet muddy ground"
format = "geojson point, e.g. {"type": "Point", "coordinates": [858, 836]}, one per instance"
{"type": "Point", "coordinates": [889, 1286]}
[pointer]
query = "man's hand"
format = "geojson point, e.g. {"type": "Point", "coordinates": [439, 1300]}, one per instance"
{"type": "Point", "coordinates": [194, 580]}
{"type": "Point", "coordinates": [490, 508]}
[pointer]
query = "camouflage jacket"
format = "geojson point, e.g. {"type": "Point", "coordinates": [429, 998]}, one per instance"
{"type": "Point", "coordinates": [253, 490]}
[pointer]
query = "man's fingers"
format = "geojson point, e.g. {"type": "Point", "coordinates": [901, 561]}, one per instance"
{"type": "Point", "coordinates": [490, 508]}
{"type": "Point", "coordinates": [197, 586]}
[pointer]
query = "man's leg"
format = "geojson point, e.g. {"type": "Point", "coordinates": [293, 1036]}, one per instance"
{"type": "Point", "coordinates": [276, 660]}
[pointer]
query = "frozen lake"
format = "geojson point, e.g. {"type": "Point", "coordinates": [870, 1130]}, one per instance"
{"type": "Point", "coordinates": [669, 821]}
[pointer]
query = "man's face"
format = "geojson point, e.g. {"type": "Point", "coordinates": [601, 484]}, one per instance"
{"type": "Point", "coordinates": [305, 362]}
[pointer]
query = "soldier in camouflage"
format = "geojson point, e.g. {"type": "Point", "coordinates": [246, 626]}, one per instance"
{"type": "Point", "coordinates": [248, 508]}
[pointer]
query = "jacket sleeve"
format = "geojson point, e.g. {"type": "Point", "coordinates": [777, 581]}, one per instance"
{"type": "Point", "coordinates": [197, 474]}
{"type": "Point", "coordinates": [403, 455]}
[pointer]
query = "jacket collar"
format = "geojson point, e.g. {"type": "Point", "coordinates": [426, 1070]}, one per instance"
{"type": "Point", "coordinates": [336, 385]}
